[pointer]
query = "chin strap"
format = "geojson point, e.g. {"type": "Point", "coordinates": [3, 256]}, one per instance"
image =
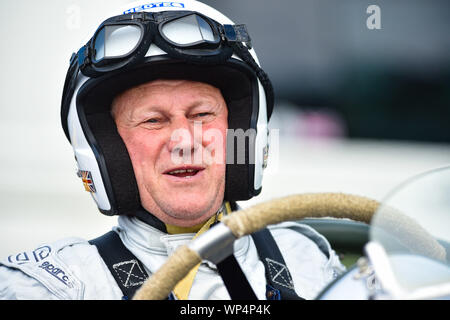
{"type": "Point", "coordinates": [224, 209]}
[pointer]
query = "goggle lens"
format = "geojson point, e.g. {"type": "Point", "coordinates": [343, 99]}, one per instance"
{"type": "Point", "coordinates": [116, 41]}
{"type": "Point", "coordinates": [195, 31]}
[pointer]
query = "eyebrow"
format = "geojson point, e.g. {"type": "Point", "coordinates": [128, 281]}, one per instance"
{"type": "Point", "coordinates": [203, 101]}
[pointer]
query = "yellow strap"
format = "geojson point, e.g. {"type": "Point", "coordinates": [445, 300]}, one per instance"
{"type": "Point", "coordinates": [171, 229]}
{"type": "Point", "coordinates": [182, 289]}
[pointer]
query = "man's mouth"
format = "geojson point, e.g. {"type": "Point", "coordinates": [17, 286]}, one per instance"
{"type": "Point", "coordinates": [184, 173]}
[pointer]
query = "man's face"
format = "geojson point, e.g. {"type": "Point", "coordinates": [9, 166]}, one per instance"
{"type": "Point", "coordinates": [166, 126]}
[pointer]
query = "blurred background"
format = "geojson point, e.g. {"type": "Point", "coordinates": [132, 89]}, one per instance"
{"type": "Point", "coordinates": [362, 103]}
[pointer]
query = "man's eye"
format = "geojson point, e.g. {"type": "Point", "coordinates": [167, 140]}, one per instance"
{"type": "Point", "coordinates": [202, 114]}
{"type": "Point", "coordinates": [153, 123]}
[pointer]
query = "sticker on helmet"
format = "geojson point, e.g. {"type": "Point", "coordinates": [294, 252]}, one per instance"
{"type": "Point", "coordinates": [155, 5]}
{"type": "Point", "coordinates": [265, 156]}
{"type": "Point", "coordinates": [88, 183]}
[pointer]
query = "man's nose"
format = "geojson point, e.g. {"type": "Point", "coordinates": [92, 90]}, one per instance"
{"type": "Point", "coordinates": [186, 136]}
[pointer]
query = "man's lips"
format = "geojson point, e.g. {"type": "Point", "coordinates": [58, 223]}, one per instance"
{"type": "Point", "coordinates": [184, 172]}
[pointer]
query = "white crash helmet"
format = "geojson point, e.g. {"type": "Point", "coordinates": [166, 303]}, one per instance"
{"type": "Point", "coordinates": [146, 41]}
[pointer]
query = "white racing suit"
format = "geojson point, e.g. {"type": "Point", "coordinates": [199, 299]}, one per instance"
{"type": "Point", "coordinates": [73, 269]}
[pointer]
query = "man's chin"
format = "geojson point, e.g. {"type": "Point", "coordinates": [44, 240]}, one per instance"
{"type": "Point", "coordinates": [190, 212]}
{"type": "Point", "coordinates": [187, 213]}
{"type": "Point", "coordinates": [184, 208]}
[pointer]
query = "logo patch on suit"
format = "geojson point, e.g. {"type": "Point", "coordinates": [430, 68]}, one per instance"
{"type": "Point", "coordinates": [56, 272]}
{"type": "Point", "coordinates": [36, 255]}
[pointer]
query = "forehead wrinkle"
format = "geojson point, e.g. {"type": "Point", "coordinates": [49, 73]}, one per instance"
{"type": "Point", "coordinates": [206, 94]}
{"type": "Point", "coordinates": [129, 101]}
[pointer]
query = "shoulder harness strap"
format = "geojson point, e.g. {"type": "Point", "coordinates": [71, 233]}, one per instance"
{"type": "Point", "coordinates": [126, 269]}
{"type": "Point", "coordinates": [130, 274]}
{"type": "Point", "coordinates": [279, 280]}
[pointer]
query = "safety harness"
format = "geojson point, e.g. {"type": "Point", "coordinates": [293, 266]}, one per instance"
{"type": "Point", "coordinates": [130, 273]}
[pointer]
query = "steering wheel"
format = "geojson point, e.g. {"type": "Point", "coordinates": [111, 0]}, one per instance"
{"type": "Point", "coordinates": [217, 243]}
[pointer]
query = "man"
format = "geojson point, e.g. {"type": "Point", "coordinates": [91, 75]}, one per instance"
{"type": "Point", "coordinates": [154, 106]}
{"type": "Point", "coordinates": [147, 117]}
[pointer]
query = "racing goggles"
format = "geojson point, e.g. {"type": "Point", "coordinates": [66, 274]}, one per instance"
{"type": "Point", "coordinates": [124, 40]}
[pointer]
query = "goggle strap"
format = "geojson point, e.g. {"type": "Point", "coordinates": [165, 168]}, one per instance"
{"type": "Point", "coordinates": [73, 58]}
{"type": "Point", "coordinates": [69, 88]}
{"type": "Point", "coordinates": [243, 53]}
{"type": "Point", "coordinates": [84, 59]}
